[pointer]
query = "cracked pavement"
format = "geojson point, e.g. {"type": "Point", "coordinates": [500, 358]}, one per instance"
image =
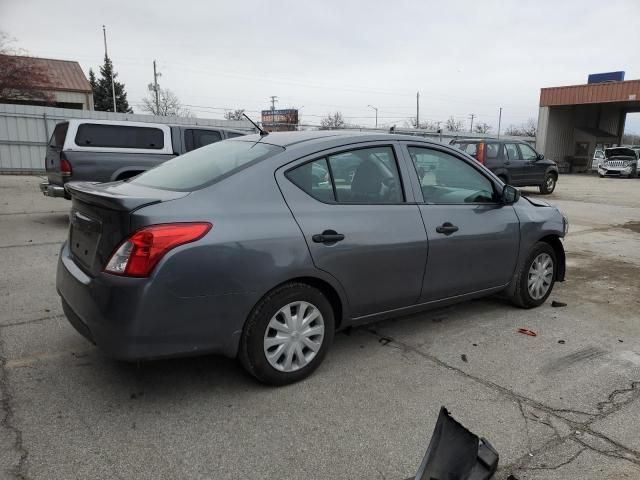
{"type": "Point", "coordinates": [564, 404]}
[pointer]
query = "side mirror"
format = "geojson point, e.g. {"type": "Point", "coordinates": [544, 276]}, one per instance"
{"type": "Point", "coordinates": [540, 156]}
{"type": "Point", "coordinates": [510, 195]}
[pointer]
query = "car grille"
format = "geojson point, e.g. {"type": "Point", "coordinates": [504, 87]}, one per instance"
{"type": "Point", "coordinates": [614, 163]}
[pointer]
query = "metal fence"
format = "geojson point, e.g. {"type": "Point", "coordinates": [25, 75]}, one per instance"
{"type": "Point", "coordinates": [25, 131]}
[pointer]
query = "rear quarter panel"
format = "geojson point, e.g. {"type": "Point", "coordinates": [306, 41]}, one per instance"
{"type": "Point", "coordinates": [254, 245]}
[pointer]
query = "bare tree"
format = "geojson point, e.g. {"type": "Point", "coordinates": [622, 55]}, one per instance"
{"type": "Point", "coordinates": [482, 128]}
{"type": "Point", "coordinates": [453, 125]}
{"type": "Point", "coordinates": [331, 121]}
{"type": "Point", "coordinates": [530, 128]}
{"type": "Point", "coordinates": [426, 125]}
{"type": "Point", "coordinates": [20, 77]}
{"type": "Point", "coordinates": [234, 115]}
{"type": "Point", "coordinates": [527, 129]}
{"type": "Point", "coordinates": [631, 139]}
{"type": "Point", "coordinates": [168, 104]}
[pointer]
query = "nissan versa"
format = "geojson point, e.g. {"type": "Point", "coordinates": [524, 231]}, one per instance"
{"type": "Point", "coordinates": [248, 249]}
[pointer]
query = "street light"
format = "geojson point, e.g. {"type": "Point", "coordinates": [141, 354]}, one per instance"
{"type": "Point", "coordinates": [376, 114]}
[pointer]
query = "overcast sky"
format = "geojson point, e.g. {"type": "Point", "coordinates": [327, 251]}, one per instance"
{"type": "Point", "coordinates": [462, 56]}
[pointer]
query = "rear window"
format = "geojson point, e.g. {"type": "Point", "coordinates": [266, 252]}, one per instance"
{"type": "Point", "coordinates": [59, 134]}
{"type": "Point", "coordinates": [206, 165]}
{"type": "Point", "coordinates": [119, 136]}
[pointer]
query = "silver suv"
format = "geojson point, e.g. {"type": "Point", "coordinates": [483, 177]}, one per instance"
{"type": "Point", "coordinates": [620, 162]}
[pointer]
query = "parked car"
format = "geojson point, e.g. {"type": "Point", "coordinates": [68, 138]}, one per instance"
{"type": "Point", "coordinates": [620, 162]}
{"type": "Point", "coordinates": [514, 161]}
{"type": "Point", "coordinates": [104, 151]}
{"type": "Point", "coordinates": [235, 249]}
{"type": "Point", "coordinates": [598, 158]}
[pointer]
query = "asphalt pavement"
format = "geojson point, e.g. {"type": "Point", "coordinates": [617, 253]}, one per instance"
{"type": "Point", "coordinates": [563, 404]}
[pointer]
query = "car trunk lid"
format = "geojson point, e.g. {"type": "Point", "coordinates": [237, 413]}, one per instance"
{"type": "Point", "coordinates": [100, 218]}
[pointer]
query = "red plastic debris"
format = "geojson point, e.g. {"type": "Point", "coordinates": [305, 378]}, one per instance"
{"type": "Point", "coordinates": [526, 331]}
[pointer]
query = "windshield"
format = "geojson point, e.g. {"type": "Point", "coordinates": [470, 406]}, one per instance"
{"type": "Point", "coordinates": [206, 165]}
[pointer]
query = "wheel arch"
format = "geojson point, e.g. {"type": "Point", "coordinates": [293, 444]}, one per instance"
{"type": "Point", "coordinates": [555, 243]}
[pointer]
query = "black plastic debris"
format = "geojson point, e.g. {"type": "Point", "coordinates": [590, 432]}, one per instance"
{"type": "Point", "coordinates": [558, 304]}
{"type": "Point", "coordinates": [455, 453]}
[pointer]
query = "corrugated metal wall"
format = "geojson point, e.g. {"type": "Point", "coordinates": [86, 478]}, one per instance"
{"type": "Point", "coordinates": [628, 91]}
{"type": "Point", "coordinates": [25, 131]}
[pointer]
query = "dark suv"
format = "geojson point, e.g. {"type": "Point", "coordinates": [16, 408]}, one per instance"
{"type": "Point", "coordinates": [514, 161]}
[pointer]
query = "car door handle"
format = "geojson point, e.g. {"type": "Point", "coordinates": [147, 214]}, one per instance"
{"type": "Point", "coordinates": [507, 162]}
{"type": "Point", "coordinates": [328, 236]}
{"type": "Point", "coordinates": [447, 228]}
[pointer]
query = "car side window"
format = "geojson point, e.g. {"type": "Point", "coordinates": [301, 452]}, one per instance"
{"type": "Point", "coordinates": [196, 138]}
{"type": "Point", "coordinates": [314, 179]}
{"type": "Point", "coordinates": [512, 151]}
{"type": "Point", "coordinates": [366, 175]}
{"type": "Point", "coordinates": [492, 151]}
{"type": "Point", "coordinates": [446, 179]}
{"type": "Point", "coordinates": [527, 152]}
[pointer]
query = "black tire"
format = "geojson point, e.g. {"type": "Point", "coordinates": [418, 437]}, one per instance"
{"type": "Point", "coordinates": [521, 296]}
{"type": "Point", "coordinates": [549, 185]}
{"type": "Point", "coordinates": [504, 179]}
{"type": "Point", "coordinates": [601, 176]}
{"type": "Point", "coordinates": [251, 353]}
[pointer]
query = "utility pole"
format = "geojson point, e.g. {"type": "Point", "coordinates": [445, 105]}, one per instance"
{"type": "Point", "coordinates": [472, 116]}
{"type": "Point", "coordinates": [155, 87]}
{"type": "Point", "coordinates": [417, 109]}
{"type": "Point", "coordinates": [376, 114]}
{"type": "Point", "coordinates": [499, 122]}
{"type": "Point", "coordinates": [106, 55]}
{"type": "Point", "coordinates": [274, 99]}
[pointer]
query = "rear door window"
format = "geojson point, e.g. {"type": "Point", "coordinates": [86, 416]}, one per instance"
{"type": "Point", "coordinates": [367, 175]}
{"type": "Point", "coordinates": [512, 151]}
{"type": "Point", "coordinates": [196, 138]}
{"type": "Point", "coordinates": [314, 179]}
{"type": "Point", "coordinates": [119, 136]}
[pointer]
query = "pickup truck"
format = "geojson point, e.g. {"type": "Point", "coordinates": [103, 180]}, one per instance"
{"type": "Point", "coordinates": [107, 151]}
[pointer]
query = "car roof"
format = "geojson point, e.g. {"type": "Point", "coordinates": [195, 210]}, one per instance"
{"type": "Point", "coordinates": [305, 138]}
{"type": "Point", "coordinates": [489, 139]}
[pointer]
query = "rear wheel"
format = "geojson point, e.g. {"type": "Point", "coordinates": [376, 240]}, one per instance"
{"type": "Point", "coordinates": [537, 277]}
{"type": "Point", "coordinates": [287, 335]}
{"type": "Point", "coordinates": [549, 184]}
{"type": "Point", "coordinates": [504, 179]}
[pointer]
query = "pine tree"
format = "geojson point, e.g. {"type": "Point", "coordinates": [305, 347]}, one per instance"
{"type": "Point", "coordinates": [102, 93]}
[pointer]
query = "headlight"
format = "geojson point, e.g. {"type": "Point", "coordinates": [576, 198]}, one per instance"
{"type": "Point", "coordinates": [625, 164]}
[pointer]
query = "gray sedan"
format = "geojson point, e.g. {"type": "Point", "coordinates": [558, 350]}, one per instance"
{"type": "Point", "coordinates": [240, 248]}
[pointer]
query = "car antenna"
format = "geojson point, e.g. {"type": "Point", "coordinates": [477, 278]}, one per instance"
{"type": "Point", "coordinates": [263, 133]}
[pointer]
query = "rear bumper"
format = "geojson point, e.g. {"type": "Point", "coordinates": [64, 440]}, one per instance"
{"type": "Point", "coordinates": [140, 318]}
{"type": "Point", "coordinates": [49, 190]}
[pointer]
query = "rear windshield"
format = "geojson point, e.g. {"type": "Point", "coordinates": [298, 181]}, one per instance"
{"type": "Point", "coordinates": [59, 133]}
{"type": "Point", "coordinates": [206, 165]}
{"type": "Point", "coordinates": [119, 136]}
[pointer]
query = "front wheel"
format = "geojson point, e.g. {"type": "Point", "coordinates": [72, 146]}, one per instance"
{"type": "Point", "coordinates": [287, 335]}
{"type": "Point", "coordinates": [549, 184]}
{"type": "Point", "coordinates": [537, 277]}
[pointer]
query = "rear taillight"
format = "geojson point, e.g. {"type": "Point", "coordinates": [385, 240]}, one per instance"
{"type": "Point", "coordinates": [480, 153]}
{"type": "Point", "coordinates": [140, 253]}
{"type": "Point", "coordinates": [65, 166]}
